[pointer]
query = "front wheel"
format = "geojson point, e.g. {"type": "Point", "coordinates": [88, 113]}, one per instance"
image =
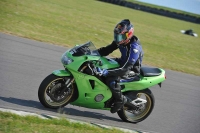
{"type": "Point", "coordinates": [142, 111]}
{"type": "Point", "coordinates": [54, 91]}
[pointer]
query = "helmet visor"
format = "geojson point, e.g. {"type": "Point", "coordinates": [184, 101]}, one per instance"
{"type": "Point", "coordinates": [119, 37]}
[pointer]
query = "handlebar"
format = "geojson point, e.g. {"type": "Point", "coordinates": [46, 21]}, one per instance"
{"type": "Point", "coordinates": [93, 68]}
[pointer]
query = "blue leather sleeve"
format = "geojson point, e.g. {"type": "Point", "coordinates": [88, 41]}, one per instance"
{"type": "Point", "coordinates": [134, 53]}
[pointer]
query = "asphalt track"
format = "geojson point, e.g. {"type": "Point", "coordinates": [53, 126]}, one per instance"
{"type": "Point", "coordinates": [25, 63]}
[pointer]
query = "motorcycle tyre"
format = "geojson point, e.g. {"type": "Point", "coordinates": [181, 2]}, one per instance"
{"type": "Point", "coordinates": [49, 79]}
{"type": "Point", "coordinates": [122, 115]}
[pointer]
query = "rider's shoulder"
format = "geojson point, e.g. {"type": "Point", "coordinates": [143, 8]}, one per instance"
{"type": "Point", "coordinates": [135, 41]}
{"type": "Point", "coordinates": [135, 38]}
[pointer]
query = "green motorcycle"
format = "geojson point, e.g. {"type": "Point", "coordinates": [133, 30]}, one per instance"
{"type": "Point", "coordinates": [79, 84]}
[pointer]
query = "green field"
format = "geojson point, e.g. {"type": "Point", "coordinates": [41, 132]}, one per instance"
{"type": "Point", "coordinates": [67, 22]}
{"type": "Point", "coordinates": [11, 123]}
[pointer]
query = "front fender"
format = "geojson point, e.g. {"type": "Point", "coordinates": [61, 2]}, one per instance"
{"type": "Point", "coordinates": [61, 73]}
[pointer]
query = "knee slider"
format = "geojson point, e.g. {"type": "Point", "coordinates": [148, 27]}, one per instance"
{"type": "Point", "coordinates": [112, 84]}
{"type": "Point", "coordinates": [115, 86]}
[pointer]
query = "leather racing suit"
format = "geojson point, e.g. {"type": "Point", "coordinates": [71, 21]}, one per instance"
{"type": "Point", "coordinates": [131, 59]}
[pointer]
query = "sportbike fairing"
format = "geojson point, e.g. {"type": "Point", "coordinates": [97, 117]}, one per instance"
{"type": "Point", "coordinates": [87, 49]}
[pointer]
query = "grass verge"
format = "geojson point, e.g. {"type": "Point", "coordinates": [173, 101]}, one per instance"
{"type": "Point", "coordinates": [67, 22]}
{"type": "Point", "coordinates": [12, 123]}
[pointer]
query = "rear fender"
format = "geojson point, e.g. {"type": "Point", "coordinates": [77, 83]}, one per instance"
{"type": "Point", "coordinates": [61, 73]}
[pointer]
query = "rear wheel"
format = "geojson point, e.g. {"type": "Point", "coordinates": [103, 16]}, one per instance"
{"type": "Point", "coordinates": [142, 111]}
{"type": "Point", "coordinates": [54, 91]}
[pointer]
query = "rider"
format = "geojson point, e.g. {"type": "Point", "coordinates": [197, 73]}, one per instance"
{"type": "Point", "coordinates": [131, 59]}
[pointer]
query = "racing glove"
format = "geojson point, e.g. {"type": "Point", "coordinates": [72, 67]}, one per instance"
{"type": "Point", "coordinates": [102, 72]}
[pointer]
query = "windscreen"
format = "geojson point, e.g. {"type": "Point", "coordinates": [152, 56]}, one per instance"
{"type": "Point", "coordinates": [84, 49]}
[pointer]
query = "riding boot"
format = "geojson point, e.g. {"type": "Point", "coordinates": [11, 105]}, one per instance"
{"type": "Point", "coordinates": [118, 104]}
{"type": "Point", "coordinates": [120, 100]}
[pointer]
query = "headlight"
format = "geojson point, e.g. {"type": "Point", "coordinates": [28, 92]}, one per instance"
{"type": "Point", "coordinates": [66, 60]}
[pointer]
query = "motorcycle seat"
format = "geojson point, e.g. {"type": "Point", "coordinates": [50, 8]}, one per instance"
{"type": "Point", "coordinates": [149, 72]}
